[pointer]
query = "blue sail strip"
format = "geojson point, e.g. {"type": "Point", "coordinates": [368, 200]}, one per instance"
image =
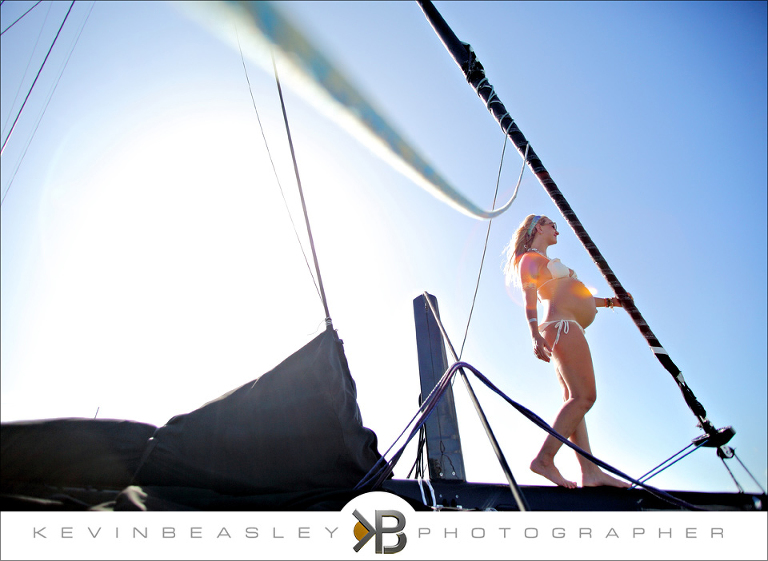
{"type": "Point", "coordinates": [262, 28]}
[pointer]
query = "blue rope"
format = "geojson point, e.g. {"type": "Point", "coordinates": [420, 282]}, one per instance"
{"type": "Point", "coordinates": [383, 468]}
{"type": "Point", "coordinates": [656, 471]}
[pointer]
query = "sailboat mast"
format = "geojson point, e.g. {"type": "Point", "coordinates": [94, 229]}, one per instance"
{"type": "Point", "coordinates": [473, 71]}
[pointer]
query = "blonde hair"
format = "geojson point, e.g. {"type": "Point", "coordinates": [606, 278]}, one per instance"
{"type": "Point", "coordinates": [516, 247]}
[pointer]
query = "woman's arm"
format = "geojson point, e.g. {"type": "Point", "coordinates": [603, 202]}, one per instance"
{"type": "Point", "coordinates": [529, 280]}
{"type": "Point", "coordinates": [540, 347]}
{"type": "Point", "coordinates": [531, 309]}
{"type": "Point", "coordinates": [529, 272]}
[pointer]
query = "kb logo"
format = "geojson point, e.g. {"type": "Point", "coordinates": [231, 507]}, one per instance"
{"type": "Point", "coordinates": [364, 531]}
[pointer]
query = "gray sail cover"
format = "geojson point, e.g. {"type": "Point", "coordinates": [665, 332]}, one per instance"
{"type": "Point", "coordinates": [101, 453]}
{"type": "Point", "coordinates": [295, 428]}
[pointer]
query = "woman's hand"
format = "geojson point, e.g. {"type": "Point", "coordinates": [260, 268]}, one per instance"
{"type": "Point", "coordinates": [618, 302]}
{"type": "Point", "coordinates": [611, 302]}
{"type": "Point", "coordinates": [540, 348]}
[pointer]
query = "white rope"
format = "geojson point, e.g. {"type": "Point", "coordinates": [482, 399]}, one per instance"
{"type": "Point", "coordinates": [431, 490]}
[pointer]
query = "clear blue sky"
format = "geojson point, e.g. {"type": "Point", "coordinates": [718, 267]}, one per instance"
{"type": "Point", "coordinates": [148, 264]}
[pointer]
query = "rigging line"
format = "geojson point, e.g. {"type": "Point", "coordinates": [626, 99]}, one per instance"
{"type": "Point", "coordinates": [485, 246]}
{"type": "Point", "coordinates": [474, 73]}
{"type": "Point", "coordinates": [733, 477]}
{"type": "Point", "coordinates": [418, 462]}
{"type": "Point", "coordinates": [749, 472]}
{"type": "Point", "coordinates": [29, 62]}
{"type": "Point", "coordinates": [656, 471]}
{"type": "Point", "coordinates": [650, 471]}
{"type": "Point", "coordinates": [21, 16]}
{"type": "Point", "coordinates": [522, 504]}
{"type": "Point", "coordinates": [379, 471]}
{"type": "Point", "coordinates": [274, 169]}
{"type": "Point", "coordinates": [301, 195]}
{"type": "Point", "coordinates": [50, 96]}
{"type": "Point", "coordinates": [7, 138]}
{"type": "Point", "coordinates": [531, 416]}
{"type": "Point", "coordinates": [425, 407]}
{"type": "Point", "coordinates": [488, 233]}
{"type": "Point", "coordinates": [383, 468]}
{"type": "Point", "coordinates": [514, 488]}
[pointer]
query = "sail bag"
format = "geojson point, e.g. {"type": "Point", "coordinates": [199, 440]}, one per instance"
{"type": "Point", "coordinates": [295, 428]}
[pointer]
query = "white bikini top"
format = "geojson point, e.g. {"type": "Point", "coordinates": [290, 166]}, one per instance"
{"type": "Point", "coordinates": [558, 271]}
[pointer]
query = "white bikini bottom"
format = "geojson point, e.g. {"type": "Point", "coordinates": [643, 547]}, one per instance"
{"type": "Point", "coordinates": [562, 326]}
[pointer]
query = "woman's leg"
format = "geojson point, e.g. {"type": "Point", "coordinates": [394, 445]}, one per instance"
{"type": "Point", "coordinates": [574, 366]}
{"type": "Point", "coordinates": [591, 475]}
{"type": "Point", "coordinates": [573, 362]}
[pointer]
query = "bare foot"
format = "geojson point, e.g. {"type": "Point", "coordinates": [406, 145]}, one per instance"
{"type": "Point", "coordinates": [549, 471]}
{"type": "Point", "coordinates": [598, 478]}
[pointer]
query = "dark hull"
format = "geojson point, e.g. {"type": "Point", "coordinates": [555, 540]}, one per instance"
{"type": "Point", "coordinates": [450, 496]}
{"type": "Point", "coordinates": [485, 496]}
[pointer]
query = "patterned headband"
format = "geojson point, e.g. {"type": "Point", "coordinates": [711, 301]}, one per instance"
{"type": "Point", "coordinates": [533, 224]}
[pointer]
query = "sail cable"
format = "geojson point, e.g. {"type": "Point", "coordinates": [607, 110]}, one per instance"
{"type": "Point", "coordinates": [19, 18]}
{"type": "Point", "coordinates": [488, 233]}
{"type": "Point", "coordinates": [274, 169]}
{"type": "Point", "coordinates": [18, 115]}
{"type": "Point", "coordinates": [47, 103]}
{"type": "Point", "coordinates": [301, 195]}
{"type": "Point", "coordinates": [26, 69]}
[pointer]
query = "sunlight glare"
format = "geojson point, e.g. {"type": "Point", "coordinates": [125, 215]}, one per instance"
{"type": "Point", "coordinates": [162, 275]}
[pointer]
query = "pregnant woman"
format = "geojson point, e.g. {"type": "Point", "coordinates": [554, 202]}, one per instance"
{"type": "Point", "coordinates": [569, 308]}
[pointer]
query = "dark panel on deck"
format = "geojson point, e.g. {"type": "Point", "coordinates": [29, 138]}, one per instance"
{"type": "Point", "coordinates": [445, 459]}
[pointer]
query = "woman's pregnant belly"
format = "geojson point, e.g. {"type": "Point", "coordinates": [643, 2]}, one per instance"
{"type": "Point", "coordinates": [569, 299]}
